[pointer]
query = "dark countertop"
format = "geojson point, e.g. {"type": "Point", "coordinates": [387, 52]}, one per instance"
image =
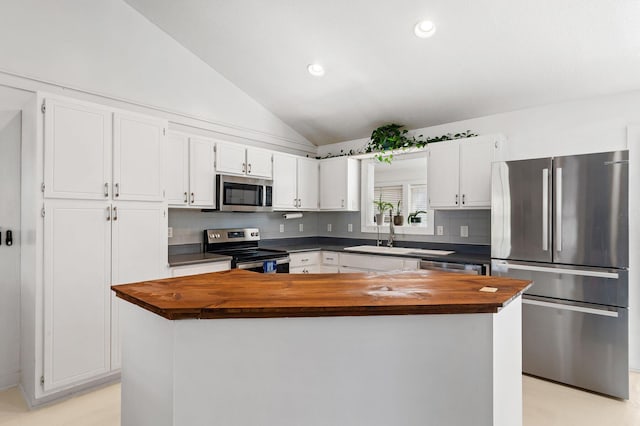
{"type": "Point", "coordinates": [195, 258]}
{"type": "Point", "coordinates": [469, 254]}
{"type": "Point", "coordinates": [243, 294]}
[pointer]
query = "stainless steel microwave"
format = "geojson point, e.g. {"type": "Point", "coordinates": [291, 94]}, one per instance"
{"type": "Point", "coordinates": [243, 194]}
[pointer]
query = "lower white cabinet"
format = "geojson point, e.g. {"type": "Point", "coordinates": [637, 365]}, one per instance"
{"type": "Point", "coordinates": [88, 245]}
{"type": "Point", "coordinates": [201, 268]}
{"type": "Point", "coordinates": [307, 262]}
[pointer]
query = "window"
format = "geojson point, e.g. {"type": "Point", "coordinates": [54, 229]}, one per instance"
{"type": "Point", "coordinates": [391, 194]}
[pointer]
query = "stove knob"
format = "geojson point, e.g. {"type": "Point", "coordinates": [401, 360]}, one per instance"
{"type": "Point", "coordinates": [217, 235]}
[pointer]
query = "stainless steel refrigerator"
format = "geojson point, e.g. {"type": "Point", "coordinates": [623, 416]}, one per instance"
{"type": "Point", "coordinates": [563, 223]}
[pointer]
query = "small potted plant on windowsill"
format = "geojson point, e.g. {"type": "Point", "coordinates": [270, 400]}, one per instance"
{"type": "Point", "coordinates": [398, 219]}
{"type": "Point", "coordinates": [414, 218]}
{"type": "Point", "coordinates": [382, 206]}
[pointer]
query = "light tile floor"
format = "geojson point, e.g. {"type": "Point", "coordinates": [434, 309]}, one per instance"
{"type": "Point", "coordinates": [545, 404]}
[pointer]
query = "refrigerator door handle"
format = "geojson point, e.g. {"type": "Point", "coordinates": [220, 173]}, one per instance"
{"type": "Point", "coordinates": [562, 306]}
{"type": "Point", "coordinates": [558, 224]}
{"type": "Point", "coordinates": [545, 209]}
{"type": "Point", "coordinates": [504, 266]}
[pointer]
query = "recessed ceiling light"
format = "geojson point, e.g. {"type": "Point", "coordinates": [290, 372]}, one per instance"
{"type": "Point", "coordinates": [425, 29]}
{"type": "Point", "coordinates": [315, 70]}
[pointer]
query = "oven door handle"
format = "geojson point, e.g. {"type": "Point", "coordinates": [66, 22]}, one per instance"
{"type": "Point", "coordinates": [259, 263]}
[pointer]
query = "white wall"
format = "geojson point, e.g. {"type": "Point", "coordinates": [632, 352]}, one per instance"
{"type": "Point", "coordinates": [108, 48]}
{"type": "Point", "coordinates": [578, 127]}
{"type": "Point", "coordinates": [10, 128]}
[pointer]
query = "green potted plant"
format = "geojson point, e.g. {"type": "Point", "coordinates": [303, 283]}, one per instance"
{"type": "Point", "coordinates": [382, 206]}
{"type": "Point", "coordinates": [414, 218]}
{"type": "Point", "coordinates": [398, 219]}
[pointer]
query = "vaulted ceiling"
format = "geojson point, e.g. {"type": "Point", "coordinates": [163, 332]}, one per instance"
{"type": "Point", "coordinates": [487, 56]}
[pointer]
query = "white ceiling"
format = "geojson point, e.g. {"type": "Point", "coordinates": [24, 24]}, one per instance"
{"type": "Point", "coordinates": [487, 56]}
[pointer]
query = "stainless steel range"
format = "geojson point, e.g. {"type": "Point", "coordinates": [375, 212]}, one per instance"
{"type": "Point", "coordinates": [242, 245]}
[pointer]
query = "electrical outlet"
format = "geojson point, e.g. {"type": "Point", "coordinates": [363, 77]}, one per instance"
{"type": "Point", "coordinates": [350, 227]}
{"type": "Point", "coordinates": [439, 230]}
{"type": "Point", "coordinates": [464, 231]}
{"type": "Point", "coordinates": [329, 227]}
{"type": "Point", "coordinates": [170, 232]}
{"type": "Point", "coordinates": [282, 227]}
{"type": "Point", "coordinates": [301, 227]}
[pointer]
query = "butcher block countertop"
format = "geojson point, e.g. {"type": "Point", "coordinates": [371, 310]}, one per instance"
{"type": "Point", "coordinates": [243, 294]}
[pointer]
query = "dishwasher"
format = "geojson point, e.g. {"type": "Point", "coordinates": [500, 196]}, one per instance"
{"type": "Point", "coordinates": [461, 268]}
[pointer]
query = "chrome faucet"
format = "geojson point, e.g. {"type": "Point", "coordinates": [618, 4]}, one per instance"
{"type": "Point", "coordinates": [392, 232]}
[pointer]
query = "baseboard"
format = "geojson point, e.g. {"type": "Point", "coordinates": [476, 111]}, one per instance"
{"type": "Point", "coordinates": [70, 393]}
{"type": "Point", "coordinates": [9, 380]}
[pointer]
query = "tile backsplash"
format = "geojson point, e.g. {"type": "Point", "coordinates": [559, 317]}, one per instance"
{"type": "Point", "coordinates": [188, 225]}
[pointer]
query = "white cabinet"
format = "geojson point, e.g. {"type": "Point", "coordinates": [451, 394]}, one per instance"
{"type": "Point", "coordinates": [459, 173]}
{"type": "Point", "coordinates": [85, 160]}
{"type": "Point", "coordinates": [295, 183]}
{"type": "Point", "coordinates": [89, 246]}
{"type": "Point", "coordinates": [330, 262]}
{"type": "Point", "coordinates": [201, 268]}
{"type": "Point", "coordinates": [241, 160]}
{"type": "Point", "coordinates": [340, 184]}
{"type": "Point", "coordinates": [77, 298]}
{"type": "Point", "coordinates": [191, 171]}
{"type": "Point", "coordinates": [77, 143]}
{"type": "Point", "coordinates": [138, 157]}
{"type": "Point", "coordinates": [362, 262]}
{"type": "Point", "coordinates": [307, 262]}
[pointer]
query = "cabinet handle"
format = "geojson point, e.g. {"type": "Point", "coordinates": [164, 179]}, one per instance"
{"type": "Point", "coordinates": [463, 202]}
{"type": "Point", "coordinates": [249, 168]}
{"type": "Point", "coordinates": [299, 203]}
{"type": "Point", "coordinates": [106, 189]}
{"type": "Point", "coordinates": [108, 214]}
{"type": "Point", "coordinates": [117, 190]}
{"type": "Point", "coordinates": [193, 198]}
{"type": "Point", "coordinates": [244, 167]}
{"type": "Point", "coordinates": [456, 199]}
{"type": "Point", "coordinates": [115, 213]}
{"type": "Point", "coordinates": [329, 258]}
{"type": "Point", "coordinates": [186, 200]}
{"type": "Point", "coordinates": [342, 202]}
{"type": "Point", "coordinates": [304, 260]}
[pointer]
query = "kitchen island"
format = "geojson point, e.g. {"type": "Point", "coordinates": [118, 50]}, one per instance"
{"type": "Point", "coordinates": [241, 348]}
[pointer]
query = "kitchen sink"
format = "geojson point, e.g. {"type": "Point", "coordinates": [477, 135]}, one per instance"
{"type": "Point", "coordinates": [398, 250]}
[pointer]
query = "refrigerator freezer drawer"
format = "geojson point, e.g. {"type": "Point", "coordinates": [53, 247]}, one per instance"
{"type": "Point", "coordinates": [578, 344]}
{"type": "Point", "coordinates": [589, 285]}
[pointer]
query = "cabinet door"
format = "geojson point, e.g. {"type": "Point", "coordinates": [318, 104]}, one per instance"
{"type": "Point", "coordinates": [138, 158]}
{"type": "Point", "coordinates": [475, 172]}
{"type": "Point", "coordinates": [202, 173]}
{"type": "Point", "coordinates": [333, 184]}
{"type": "Point", "coordinates": [443, 174]}
{"type": "Point", "coordinates": [77, 150]}
{"type": "Point", "coordinates": [178, 169]}
{"type": "Point", "coordinates": [284, 182]}
{"type": "Point", "coordinates": [308, 175]}
{"type": "Point", "coordinates": [230, 159]}
{"type": "Point", "coordinates": [77, 298]}
{"type": "Point", "coordinates": [259, 163]}
{"type": "Point", "coordinates": [139, 253]}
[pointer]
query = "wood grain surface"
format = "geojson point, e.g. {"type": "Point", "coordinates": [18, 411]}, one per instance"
{"type": "Point", "coordinates": [242, 294]}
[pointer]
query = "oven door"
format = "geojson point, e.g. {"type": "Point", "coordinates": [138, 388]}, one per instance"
{"type": "Point", "coordinates": [241, 194]}
{"type": "Point", "coordinates": [266, 266]}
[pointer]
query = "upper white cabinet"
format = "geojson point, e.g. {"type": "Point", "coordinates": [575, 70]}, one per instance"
{"type": "Point", "coordinates": [92, 152]}
{"type": "Point", "coordinates": [340, 184]}
{"type": "Point", "coordinates": [138, 157]}
{"type": "Point", "coordinates": [241, 160]}
{"type": "Point", "coordinates": [295, 182]}
{"type": "Point", "coordinates": [459, 173]}
{"type": "Point", "coordinates": [77, 142]}
{"type": "Point", "coordinates": [191, 171]}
